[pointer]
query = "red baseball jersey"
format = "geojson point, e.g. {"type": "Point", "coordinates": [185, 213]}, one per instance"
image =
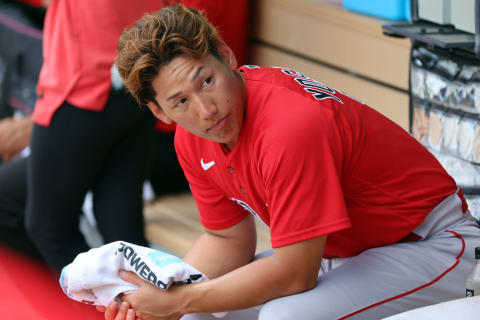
{"type": "Point", "coordinates": [310, 161]}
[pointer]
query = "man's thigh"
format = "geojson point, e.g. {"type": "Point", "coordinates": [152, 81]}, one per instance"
{"type": "Point", "coordinates": [379, 282]}
{"type": "Point", "coordinates": [383, 281]}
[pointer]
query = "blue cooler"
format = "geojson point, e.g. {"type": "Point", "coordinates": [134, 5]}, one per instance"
{"type": "Point", "coordinates": [398, 10]}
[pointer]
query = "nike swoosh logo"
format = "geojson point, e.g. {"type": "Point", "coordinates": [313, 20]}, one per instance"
{"type": "Point", "coordinates": [206, 166]}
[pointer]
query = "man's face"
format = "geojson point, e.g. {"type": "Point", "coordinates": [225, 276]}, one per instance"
{"type": "Point", "coordinates": [205, 96]}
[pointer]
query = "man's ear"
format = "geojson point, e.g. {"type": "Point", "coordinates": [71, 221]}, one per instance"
{"type": "Point", "coordinates": [227, 54]}
{"type": "Point", "coordinates": [158, 112]}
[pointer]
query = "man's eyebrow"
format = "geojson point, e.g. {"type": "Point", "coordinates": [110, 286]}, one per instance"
{"type": "Point", "coordinates": [173, 96]}
{"type": "Point", "coordinates": [195, 76]}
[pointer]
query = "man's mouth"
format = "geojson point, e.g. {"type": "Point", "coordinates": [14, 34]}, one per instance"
{"type": "Point", "coordinates": [219, 124]}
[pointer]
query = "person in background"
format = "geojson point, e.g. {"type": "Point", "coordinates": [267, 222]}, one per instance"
{"type": "Point", "coordinates": [21, 25]}
{"type": "Point", "coordinates": [87, 135]}
{"type": "Point", "coordinates": [364, 221]}
{"type": "Point", "coordinates": [165, 176]}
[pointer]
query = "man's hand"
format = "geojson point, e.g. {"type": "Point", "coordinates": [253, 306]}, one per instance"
{"type": "Point", "coordinates": [14, 136]}
{"type": "Point", "coordinates": [149, 302]}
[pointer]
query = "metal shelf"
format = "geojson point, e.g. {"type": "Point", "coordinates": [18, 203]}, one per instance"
{"type": "Point", "coordinates": [443, 36]}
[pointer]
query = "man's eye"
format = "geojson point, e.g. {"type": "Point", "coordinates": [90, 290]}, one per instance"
{"type": "Point", "coordinates": [181, 102]}
{"type": "Point", "coordinates": [208, 81]}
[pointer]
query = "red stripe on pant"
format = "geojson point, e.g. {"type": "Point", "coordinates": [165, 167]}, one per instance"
{"type": "Point", "coordinates": [464, 202]}
{"type": "Point", "coordinates": [418, 288]}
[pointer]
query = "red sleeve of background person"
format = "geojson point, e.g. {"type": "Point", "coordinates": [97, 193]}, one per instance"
{"type": "Point", "coordinates": [231, 20]}
{"type": "Point", "coordinates": [34, 3]}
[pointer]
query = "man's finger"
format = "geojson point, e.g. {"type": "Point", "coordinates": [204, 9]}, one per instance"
{"type": "Point", "coordinates": [124, 312]}
{"type": "Point", "coordinates": [131, 314]}
{"type": "Point", "coordinates": [101, 308]}
{"type": "Point", "coordinates": [111, 311]}
{"type": "Point", "coordinates": [126, 298]}
{"type": "Point", "coordinates": [130, 277]}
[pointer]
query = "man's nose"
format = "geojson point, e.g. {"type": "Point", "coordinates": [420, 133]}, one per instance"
{"type": "Point", "coordinates": [206, 108]}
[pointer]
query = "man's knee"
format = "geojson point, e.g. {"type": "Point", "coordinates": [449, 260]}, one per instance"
{"type": "Point", "coordinates": [286, 310]}
{"type": "Point", "coordinates": [274, 310]}
{"type": "Point", "coordinates": [316, 304]}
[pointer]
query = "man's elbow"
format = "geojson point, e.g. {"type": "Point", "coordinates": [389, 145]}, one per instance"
{"type": "Point", "coordinates": [301, 284]}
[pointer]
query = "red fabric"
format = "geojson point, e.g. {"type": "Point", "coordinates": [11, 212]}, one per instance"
{"type": "Point", "coordinates": [231, 20]}
{"type": "Point", "coordinates": [80, 42]}
{"type": "Point", "coordinates": [30, 291]}
{"type": "Point", "coordinates": [35, 3]}
{"type": "Point", "coordinates": [464, 202]}
{"type": "Point", "coordinates": [163, 127]}
{"type": "Point", "coordinates": [314, 162]}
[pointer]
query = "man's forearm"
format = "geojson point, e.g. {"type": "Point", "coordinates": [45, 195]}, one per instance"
{"type": "Point", "coordinates": [291, 269]}
{"type": "Point", "coordinates": [14, 135]}
{"type": "Point", "coordinates": [215, 257]}
{"type": "Point", "coordinates": [248, 286]}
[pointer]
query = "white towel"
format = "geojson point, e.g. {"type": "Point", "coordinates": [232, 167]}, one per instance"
{"type": "Point", "coordinates": [92, 277]}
